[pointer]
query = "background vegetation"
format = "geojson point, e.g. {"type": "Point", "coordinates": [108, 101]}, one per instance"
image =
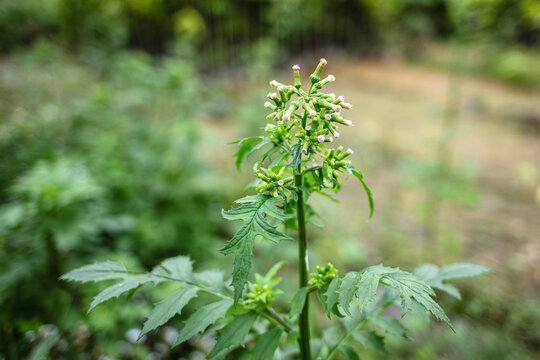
{"type": "Point", "coordinates": [115, 118]}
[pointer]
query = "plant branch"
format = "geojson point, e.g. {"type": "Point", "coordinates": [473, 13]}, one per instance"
{"type": "Point", "coordinates": [279, 319]}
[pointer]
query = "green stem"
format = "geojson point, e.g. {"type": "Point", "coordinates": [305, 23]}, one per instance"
{"type": "Point", "coordinates": [303, 269]}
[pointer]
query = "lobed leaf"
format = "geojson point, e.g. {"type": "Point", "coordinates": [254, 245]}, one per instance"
{"type": "Point", "coordinates": [253, 211]}
{"type": "Point", "coordinates": [391, 326]}
{"type": "Point", "coordinates": [246, 145]}
{"type": "Point", "coordinates": [370, 339]}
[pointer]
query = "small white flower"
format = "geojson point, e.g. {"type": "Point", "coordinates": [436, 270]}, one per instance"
{"type": "Point", "coordinates": [348, 122]}
{"type": "Point", "coordinates": [333, 96]}
{"type": "Point", "coordinates": [336, 135]}
{"type": "Point", "coordinates": [323, 62]}
{"type": "Point", "coordinates": [320, 138]}
{"type": "Point", "coordinates": [286, 117]}
{"type": "Point", "coordinates": [350, 151]}
{"type": "Point", "coordinates": [341, 98]}
{"type": "Point", "coordinates": [327, 116]}
{"type": "Point", "coordinates": [336, 108]}
{"type": "Point", "coordinates": [280, 182]}
{"type": "Point", "coordinates": [273, 96]}
{"type": "Point", "coordinates": [296, 68]}
{"type": "Point", "coordinates": [347, 105]}
{"type": "Point", "coordinates": [267, 104]}
{"type": "Point", "coordinates": [312, 113]}
{"type": "Point", "coordinates": [308, 128]}
{"type": "Point", "coordinates": [331, 139]}
{"type": "Point", "coordinates": [279, 88]}
{"type": "Point", "coordinates": [273, 83]}
{"type": "Point", "coordinates": [331, 78]}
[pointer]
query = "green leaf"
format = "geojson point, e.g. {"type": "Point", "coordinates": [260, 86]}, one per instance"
{"type": "Point", "coordinates": [298, 301]}
{"type": "Point", "coordinates": [360, 177]}
{"type": "Point", "coordinates": [246, 145]}
{"type": "Point", "coordinates": [435, 276]}
{"type": "Point", "coordinates": [347, 290]}
{"type": "Point", "coordinates": [267, 344]}
{"type": "Point", "coordinates": [130, 282]}
{"type": "Point", "coordinates": [253, 211]}
{"type": "Point", "coordinates": [234, 333]}
{"type": "Point", "coordinates": [292, 338]}
{"type": "Point", "coordinates": [370, 339]}
{"type": "Point", "coordinates": [202, 318]}
{"type": "Point", "coordinates": [168, 308]}
{"type": "Point", "coordinates": [349, 352]}
{"type": "Point", "coordinates": [411, 287]}
{"type": "Point", "coordinates": [332, 296]}
{"type": "Point", "coordinates": [109, 271]}
{"type": "Point", "coordinates": [179, 267]}
{"type": "Point", "coordinates": [390, 325]}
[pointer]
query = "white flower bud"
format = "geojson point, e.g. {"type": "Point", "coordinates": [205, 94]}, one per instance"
{"type": "Point", "coordinates": [336, 108]}
{"type": "Point", "coordinates": [273, 83]}
{"type": "Point", "coordinates": [336, 135]}
{"type": "Point", "coordinates": [331, 78]}
{"type": "Point", "coordinates": [347, 105]}
{"type": "Point", "coordinates": [267, 104]}
{"type": "Point", "coordinates": [304, 151]}
{"type": "Point", "coordinates": [341, 98]}
{"type": "Point", "coordinates": [327, 116]}
{"type": "Point", "coordinates": [331, 139]}
{"type": "Point", "coordinates": [320, 138]}
{"type": "Point", "coordinates": [296, 68]}
{"type": "Point", "coordinates": [279, 88]}
{"type": "Point", "coordinates": [308, 128]}
{"type": "Point", "coordinates": [333, 96]}
{"type": "Point", "coordinates": [280, 182]}
{"type": "Point", "coordinates": [286, 117]}
{"type": "Point", "coordinates": [312, 113]}
{"type": "Point", "coordinates": [350, 151]}
{"type": "Point", "coordinates": [323, 62]}
{"type": "Point", "coordinates": [348, 122]}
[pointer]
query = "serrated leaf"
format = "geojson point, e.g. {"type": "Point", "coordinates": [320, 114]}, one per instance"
{"type": "Point", "coordinates": [332, 296]}
{"type": "Point", "coordinates": [252, 211]}
{"type": "Point", "coordinates": [435, 276]}
{"type": "Point", "coordinates": [246, 145]}
{"type": "Point", "coordinates": [96, 272]}
{"type": "Point", "coordinates": [168, 308]}
{"type": "Point", "coordinates": [130, 282]}
{"type": "Point", "coordinates": [202, 318]}
{"type": "Point", "coordinates": [349, 352]}
{"type": "Point", "coordinates": [298, 301]}
{"type": "Point", "coordinates": [348, 290]}
{"type": "Point", "coordinates": [267, 344]}
{"type": "Point", "coordinates": [234, 333]}
{"type": "Point", "coordinates": [370, 339]}
{"type": "Point", "coordinates": [391, 326]}
{"type": "Point", "coordinates": [178, 267]}
{"type": "Point", "coordinates": [360, 177]}
{"type": "Point", "coordinates": [411, 287]}
{"type": "Point", "coordinates": [296, 150]}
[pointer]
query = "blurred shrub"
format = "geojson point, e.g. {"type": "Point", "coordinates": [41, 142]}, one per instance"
{"type": "Point", "coordinates": [98, 164]}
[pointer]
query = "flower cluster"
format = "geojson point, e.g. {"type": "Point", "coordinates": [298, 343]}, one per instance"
{"type": "Point", "coordinates": [261, 296]}
{"type": "Point", "coordinates": [304, 125]}
{"type": "Point", "coordinates": [323, 276]}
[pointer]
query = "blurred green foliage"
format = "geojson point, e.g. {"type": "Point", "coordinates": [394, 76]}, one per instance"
{"type": "Point", "coordinates": [98, 164]}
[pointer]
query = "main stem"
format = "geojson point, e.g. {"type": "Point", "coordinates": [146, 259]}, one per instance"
{"type": "Point", "coordinates": [303, 269]}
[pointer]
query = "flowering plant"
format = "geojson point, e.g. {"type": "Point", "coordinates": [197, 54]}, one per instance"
{"type": "Point", "coordinates": [297, 161]}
